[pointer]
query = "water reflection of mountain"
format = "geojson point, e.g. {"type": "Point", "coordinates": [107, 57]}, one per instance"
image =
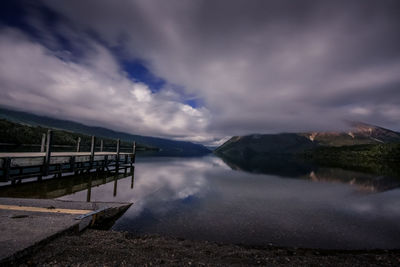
{"type": "Point", "coordinates": [292, 167]}
{"type": "Point", "coordinates": [58, 187]}
{"type": "Point", "coordinates": [281, 165]}
{"type": "Point", "coordinates": [363, 181]}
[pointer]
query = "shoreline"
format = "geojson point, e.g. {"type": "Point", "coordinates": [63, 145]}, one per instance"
{"type": "Point", "coordinates": [110, 248]}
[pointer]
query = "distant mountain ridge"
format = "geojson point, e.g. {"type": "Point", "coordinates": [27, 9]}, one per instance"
{"type": "Point", "coordinates": [265, 144]}
{"type": "Point", "coordinates": [168, 147]}
{"type": "Point", "coordinates": [359, 133]}
{"type": "Point", "coordinates": [363, 148]}
{"type": "Point", "coordinates": [291, 143]}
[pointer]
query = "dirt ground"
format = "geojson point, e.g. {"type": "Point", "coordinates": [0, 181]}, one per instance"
{"type": "Point", "coordinates": [109, 248]}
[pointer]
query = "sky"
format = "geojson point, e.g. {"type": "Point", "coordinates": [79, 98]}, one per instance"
{"type": "Point", "coordinates": [203, 70]}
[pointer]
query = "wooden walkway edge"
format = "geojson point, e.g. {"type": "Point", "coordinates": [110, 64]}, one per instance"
{"type": "Point", "coordinates": [21, 165]}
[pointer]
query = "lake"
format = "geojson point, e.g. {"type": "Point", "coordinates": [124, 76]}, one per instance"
{"type": "Point", "coordinates": [205, 199]}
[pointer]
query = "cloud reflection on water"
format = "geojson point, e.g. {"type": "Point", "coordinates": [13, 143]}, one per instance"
{"type": "Point", "coordinates": [202, 198]}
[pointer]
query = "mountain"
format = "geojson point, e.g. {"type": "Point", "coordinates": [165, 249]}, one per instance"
{"type": "Point", "coordinates": [359, 133]}
{"type": "Point", "coordinates": [265, 144]}
{"type": "Point", "coordinates": [167, 147]}
{"type": "Point", "coordinates": [292, 143]}
{"type": "Point", "coordinates": [364, 148]}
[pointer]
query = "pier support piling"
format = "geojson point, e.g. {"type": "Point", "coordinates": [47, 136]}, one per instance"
{"type": "Point", "coordinates": [117, 156]}
{"type": "Point", "coordinates": [92, 148]}
{"type": "Point", "coordinates": [48, 152]}
{"type": "Point", "coordinates": [78, 145]}
{"type": "Point", "coordinates": [42, 146]}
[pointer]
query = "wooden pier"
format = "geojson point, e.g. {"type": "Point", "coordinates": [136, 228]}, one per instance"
{"type": "Point", "coordinates": [20, 165]}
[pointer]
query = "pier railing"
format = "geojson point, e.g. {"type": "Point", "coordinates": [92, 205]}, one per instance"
{"type": "Point", "coordinates": [20, 165]}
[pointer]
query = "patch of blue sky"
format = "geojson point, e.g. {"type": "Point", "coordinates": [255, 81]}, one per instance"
{"type": "Point", "coordinates": [194, 102]}
{"type": "Point", "coordinates": [188, 99]}
{"type": "Point", "coordinates": [13, 14]}
{"type": "Point", "coordinates": [137, 70]}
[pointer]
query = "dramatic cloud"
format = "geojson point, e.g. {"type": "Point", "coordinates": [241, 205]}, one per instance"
{"type": "Point", "coordinates": [94, 91]}
{"type": "Point", "coordinates": [254, 66]}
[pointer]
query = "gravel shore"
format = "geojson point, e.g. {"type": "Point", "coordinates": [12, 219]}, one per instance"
{"type": "Point", "coordinates": [110, 248]}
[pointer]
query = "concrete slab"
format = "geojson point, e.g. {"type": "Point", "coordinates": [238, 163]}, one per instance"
{"type": "Point", "coordinates": [22, 230]}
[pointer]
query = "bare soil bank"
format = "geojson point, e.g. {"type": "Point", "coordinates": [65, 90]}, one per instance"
{"type": "Point", "coordinates": [109, 248]}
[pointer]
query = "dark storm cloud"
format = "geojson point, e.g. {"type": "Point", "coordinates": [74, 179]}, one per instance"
{"type": "Point", "coordinates": [258, 66]}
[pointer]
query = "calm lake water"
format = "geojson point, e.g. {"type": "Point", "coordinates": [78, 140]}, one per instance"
{"type": "Point", "coordinates": [203, 198]}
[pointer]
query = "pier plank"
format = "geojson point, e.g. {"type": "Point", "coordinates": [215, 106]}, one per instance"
{"type": "Point", "coordinates": [26, 162]}
{"type": "Point", "coordinates": [39, 209]}
{"type": "Point", "coordinates": [82, 158]}
{"type": "Point", "coordinates": [59, 160]}
{"type": "Point", "coordinates": [99, 158]}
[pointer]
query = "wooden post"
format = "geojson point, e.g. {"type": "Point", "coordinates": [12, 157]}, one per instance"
{"type": "Point", "coordinates": [42, 147]}
{"type": "Point", "coordinates": [48, 152]}
{"type": "Point", "coordinates": [89, 189]}
{"type": "Point", "coordinates": [115, 184]}
{"type": "Point", "coordinates": [6, 168]}
{"type": "Point", "coordinates": [101, 145]}
{"type": "Point", "coordinates": [105, 162]}
{"type": "Point", "coordinates": [72, 163]}
{"type": "Point", "coordinates": [78, 145]}
{"type": "Point", "coordinates": [117, 156]}
{"type": "Point", "coordinates": [59, 170]}
{"type": "Point", "coordinates": [43, 143]}
{"type": "Point", "coordinates": [133, 176]}
{"type": "Point", "coordinates": [92, 147]}
{"type": "Point", "coordinates": [133, 153]}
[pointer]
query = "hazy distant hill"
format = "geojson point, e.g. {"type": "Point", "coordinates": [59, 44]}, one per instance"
{"type": "Point", "coordinates": [15, 136]}
{"type": "Point", "coordinates": [167, 147]}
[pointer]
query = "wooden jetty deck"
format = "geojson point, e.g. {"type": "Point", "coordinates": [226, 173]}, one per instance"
{"type": "Point", "coordinates": [19, 165]}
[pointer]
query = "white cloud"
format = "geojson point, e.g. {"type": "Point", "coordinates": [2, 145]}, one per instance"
{"type": "Point", "coordinates": [360, 111]}
{"type": "Point", "coordinates": [141, 93]}
{"type": "Point", "coordinates": [93, 91]}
